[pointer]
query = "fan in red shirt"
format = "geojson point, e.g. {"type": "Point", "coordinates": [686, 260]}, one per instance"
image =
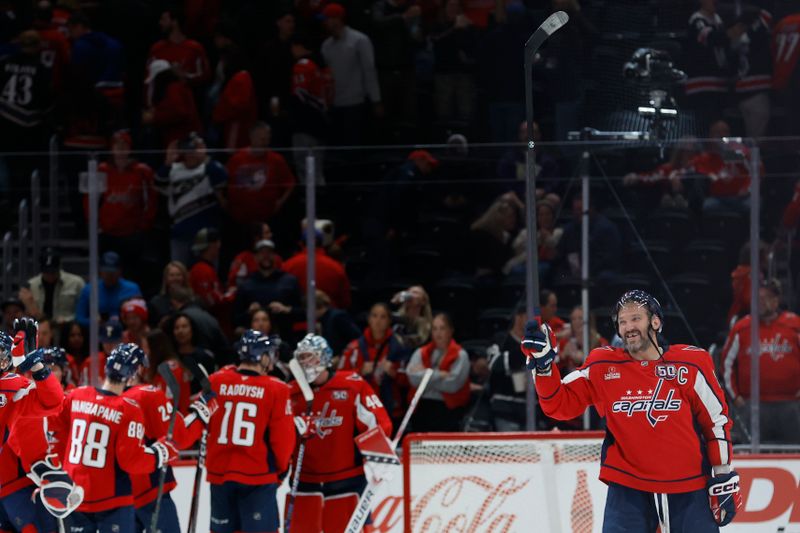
{"type": "Point", "coordinates": [667, 453]}
{"type": "Point", "coordinates": [169, 104]}
{"type": "Point", "coordinates": [260, 181]}
{"type": "Point", "coordinates": [779, 364]}
{"type": "Point", "coordinates": [330, 274]}
{"type": "Point", "coordinates": [250, 439]}
{"type": "Point", "coordinates": [134, 315]}
{"type": "Point", "coordinates": [332, 474]}
{"type": "Point", "coordinates": [245, 263]}
{"type": "Point", "coordinates": [100, 434]}
{"type": "Point", "coordinates": [204, 279]}
{"type": "Point", "coordinates": [237, 107]}
{"type": "Point", "coordinates": [55, 45]}
{"type": "Point", "coordinates": [187, 55]}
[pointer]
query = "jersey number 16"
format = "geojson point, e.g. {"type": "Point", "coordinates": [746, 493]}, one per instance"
{"type": "Point", "coordinates": [242, 431]}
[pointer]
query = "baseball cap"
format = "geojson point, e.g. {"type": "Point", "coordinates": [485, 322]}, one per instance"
{"type": "Point", "coordinates": [264, 243]}
{"type": "Point", "coordinates": [111, 330]}
{"type": "Point", "coordinates": [190, 142]}
{"type": "Point", "coordinates": [425, 156]}
{"type": "Point", "coordinates": [333, 11]}
{"type": "Point", "coordinates": [50, 261]}
{"type": "Point", "coordinates": [155, 68]}
{"type": "Point", "coordinates": [110, 262]}
{"type": "Point", "coordinates": [136, 306]}
{"type": "Point", "coordinates": [204, 238]}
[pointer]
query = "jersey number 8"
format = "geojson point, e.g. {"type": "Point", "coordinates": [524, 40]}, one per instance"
{"type": "Point", "coordinates": [93, 453]}
{"type": "Point", "coordinates": [243, 432]}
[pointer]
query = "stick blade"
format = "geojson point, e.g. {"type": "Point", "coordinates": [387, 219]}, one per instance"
{"type": "Point", "coordinates": [554, 22]}
{"type": "Point", "coordinates": [302, 382]}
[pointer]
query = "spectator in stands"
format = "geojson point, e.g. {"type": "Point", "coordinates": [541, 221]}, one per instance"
{"type": "Point", "coordinates": [261, 322]}
{"type": "Point", "coordinates": [112, 290]}
{"type": "Point", "coordinates": [245, 263]}
{"type": "Point", "coordinates": [493, 234]}
{"type": "Point", "coordinates": [208, 333]}
{"type": "Point", "coordinates": [236, 108]}
{"type": "Point", "coordinates": [55, 47]}
{"type": "Point", "coordinates": [204, 279]}
{"type": "Point", "coordinates": [12, 309]}
{"type": "Point", "coordinates": [508, 378]}
{"type": "Point", "coordinates": [605, 243]}
{"type": "Point", "coordinates": [413, 319]}
{"type": "Point", "coordinates": [110, 336]}
{"type": "Point", "coordinates": [194, 185]}
{"type": "Point", "coordinates": [571, 353]}
{"type": "Point", "coordinates": [330, 275]}
{"type": "Point", "coordinates": [741, 281]}
{"type": "Point", "coordinates": [47, 336]}
{"type": "Point", "coordinates": [75, 341]}
{"type": "Point", "coordinates": [96, 69]}
{"type": "Point", "coordinates": [349, 54]}
{"type": "Point", "coordinates": [445, 399]}
{"type": "Point", "coordinates": [791, 213]}
{"type": "Point", "coordinates": [786, 81]}
{"type": "Point", "coordinates": [270, 288]}
{"type": "Point", "coordinates": [455, 41]}
{"type": "Point", "coordinates": [158, 347]}
{"type": "Point", "coordinates": [52, 293]}
{"type": "Point", "coordinates": [725, 163]}
{"type": "Point", "coordinates": [779, 365]}
{"type": "Point", "coordinates": [273, 69]}
{"type": "Point", "coordinates": [549, 235]}
{"type": "Point", "coordinates": [397, 35]}
{"type": "Point", "coordinates": [175, 275]}
{"type": "Point", "coordinates": [549, 302]}
{"type": "Point", "coordinates": [182, 331]}
{"type": "Point", "coordinates": [312, 94]}
{"type": "Point", "coordinates": [753, 59]}
{"type": "Point", "coordinates": [134, 317]}
{"type": "Point", "coordinates": [259, 180]}
{"type": "Point", "coordinates": [708, 61]}
{"type": "Point", "coordinates": [336, 325]}
{"type": "Point", "coordinates": [663, 186]}
{"type": "Point", "coordinates": [170, 108]}
{"type": "Point", "coordinates": [379, 357]}
{"type": "Point", "coordinates": [511, 167]}
{"type": "Point", "coordinates": [127, 205]}
{"type": "Point", "coordinates": [26, 104]}
{"type": "Point", "coordinates": [187, 56]}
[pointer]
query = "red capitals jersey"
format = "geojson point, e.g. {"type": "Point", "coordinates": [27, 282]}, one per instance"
{"type": "Point", "coordinates": [779, 361]}
{"type": "Point", "coordinates": [156, 409]}
{"type": "Point", "coordinates": [184, 380]}
{"type": "Point", "coordinates": [671, 408]}
{"type": "Point", "coordinates": [23, 398]}
{"type": "Point", "coordinates": [251, 436]}
{"type": "Point", "coordinates": [101, 437]}
{"type": "Point", "coordinates": [344, 407]}
{"type": "Point", "coordinates": [256, 182]}
{"type": "Point", "coordinates": [245, 264]}
{"type": "Point", "coordinates": [129, 202]}
{"type": "Point", "coordinates": [26, 444]}
{"type": "Point", "coordinates": [728, 178]}
{"type": "Point", "coordinates": [785, 50]}
{"type": "Point", "coordinates": [79, 371]}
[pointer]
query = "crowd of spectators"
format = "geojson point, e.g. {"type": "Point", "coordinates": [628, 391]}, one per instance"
{"type": "Point", "coordinates": [201, 219]}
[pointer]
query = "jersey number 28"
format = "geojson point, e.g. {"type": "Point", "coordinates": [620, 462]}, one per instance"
{"type": "Point", "coordinates": [242, 431]}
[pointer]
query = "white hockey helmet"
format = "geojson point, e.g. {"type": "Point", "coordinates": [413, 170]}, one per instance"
{"type": "Point", "coordinates": [314, 355]}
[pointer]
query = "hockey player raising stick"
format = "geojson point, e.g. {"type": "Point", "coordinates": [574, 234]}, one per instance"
{"type": "Point", "coordinates": [332, 472]}
{"type": "Point", "coordinates": [250, 439]}
{"type": "Point", "coordinates": [100, 433]}
{"type": "Point", "coordinates": [667, 451]}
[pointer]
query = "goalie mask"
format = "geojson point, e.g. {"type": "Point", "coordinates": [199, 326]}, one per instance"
{"type": "Point", "coordinates": [314, 355]}
{"type": "Point", "coordinates": [6, 342]}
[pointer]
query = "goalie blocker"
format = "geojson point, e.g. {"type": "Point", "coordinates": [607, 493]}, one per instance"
{"type": "Point", "coordinates": [344, 406]}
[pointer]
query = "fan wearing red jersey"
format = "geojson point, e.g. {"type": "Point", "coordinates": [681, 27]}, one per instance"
{"type": "Point", "coordinates": [156, 409]}
{"type": "Point", "coordinates": [250, 439]}
{"type": "Point", "coordinates": [667, 452]}
{"type": "Point", "coordinates": [332, 475]}
{"type": "Point", "coordinates": [101, 435]}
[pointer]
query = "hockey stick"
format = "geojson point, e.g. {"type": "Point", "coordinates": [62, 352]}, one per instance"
{"type": "Point", "coordinates": [175, 391]}
{"type": "Point", "coordinates": [362, 510]}
{"type": "Point", "coordinates": [308, 395]}
{"type": "Point", "coordinates": [547, 28]}
{"type": "Point", "coordinates": [201, 376]}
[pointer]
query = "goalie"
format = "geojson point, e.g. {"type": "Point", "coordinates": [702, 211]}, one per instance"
{"type": "Point", "coordinates": [25, 448]}
{"type": "Point", "coordinates": [331, 473]}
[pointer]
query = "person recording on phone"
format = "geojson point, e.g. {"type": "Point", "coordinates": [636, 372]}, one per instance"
{"type": "Point", "coordinates": [414, 319]}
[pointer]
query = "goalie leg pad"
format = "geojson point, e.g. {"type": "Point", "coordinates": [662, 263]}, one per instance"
{"type": "Point", "coordinates": [307, 514]}
{"type": "Point", "coordinates": [56, 490]}
{"type": "Point", "coordinates": [337, 511]}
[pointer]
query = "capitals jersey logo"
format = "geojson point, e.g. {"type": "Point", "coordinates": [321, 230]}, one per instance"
{"type": "Point", "coordinates": [650, 404]}
{"type": "Point", "coordinates": [324, 422]}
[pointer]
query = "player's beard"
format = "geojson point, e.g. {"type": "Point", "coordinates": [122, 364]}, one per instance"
{"type": "Point", "coordinates": [639, 343]}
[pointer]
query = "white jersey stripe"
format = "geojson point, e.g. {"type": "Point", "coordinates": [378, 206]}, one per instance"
{"type": "Point", "coordinates": [364, 415]}
{"type": "Point", "coordinates": [714, 409]}
{"type": "Point", "coordinates": [577, 374]}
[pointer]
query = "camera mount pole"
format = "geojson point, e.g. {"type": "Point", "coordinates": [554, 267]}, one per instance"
{"type": "Point", "coordinates": [547, 28]}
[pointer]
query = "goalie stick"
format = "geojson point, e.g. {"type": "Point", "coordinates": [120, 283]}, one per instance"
{"type": "Point", "coordinates": [175, 390]}
{"type": "Point", "coordinates": [364, 506]}
{"type": "Point", "coordinates": [308, 395]}
{"type": "Point", "coordinates": [201, 376]}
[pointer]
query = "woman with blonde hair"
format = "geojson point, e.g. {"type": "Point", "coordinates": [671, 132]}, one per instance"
{"type": "Point", "coordinates": [160, 305]}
